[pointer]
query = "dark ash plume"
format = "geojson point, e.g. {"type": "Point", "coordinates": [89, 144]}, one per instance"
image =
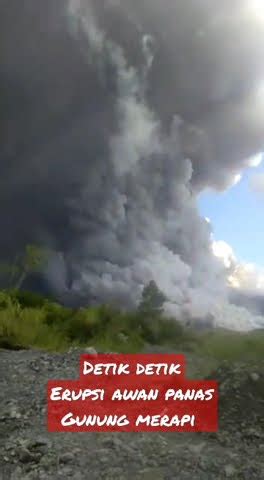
{"type": "Point", "coordinates": [115, 116]}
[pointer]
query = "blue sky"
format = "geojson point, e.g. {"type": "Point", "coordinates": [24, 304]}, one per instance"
{"type": "Point", "coordinates": [237, 217]}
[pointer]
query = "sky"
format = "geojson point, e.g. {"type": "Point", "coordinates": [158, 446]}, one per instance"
{"type": "Point", "coordinates": [237, 217]}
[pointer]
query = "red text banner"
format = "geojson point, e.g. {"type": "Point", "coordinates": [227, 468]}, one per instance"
{"type": "Point", "coordinates": [139, 393]}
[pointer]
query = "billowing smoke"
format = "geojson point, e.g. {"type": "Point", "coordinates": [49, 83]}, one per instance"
{"type": "Point", "coordinates": [115, 115]}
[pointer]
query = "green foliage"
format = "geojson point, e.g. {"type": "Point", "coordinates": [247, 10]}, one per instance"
{"type": "Point", "coordinates": [56, 315]}
{"type": "Point", "coordinates": [28, 320]}
{"type": "Point", "coordinates": [33, 259]}
{"type": "Point", "coordinates": [231, 346]}
{"type": "Point", "coordinates": [159, 330]}
{"type": "Point", "coordinates": [26, 299]}
{"type": "Point", "coordinates": [27, 329]}
{"type": "Point", "coordinates": [6, 300]}
{"type": "Point", "coordinates": [24, 326]}
{"type": "Point", "coordinates": [84, 325]}
{"type": "Point", "coordinates": [152, 299]}
{"type": "Point", "coordinates": [103, 327]}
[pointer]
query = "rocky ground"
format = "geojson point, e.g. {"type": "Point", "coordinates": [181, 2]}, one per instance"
{"type": "Point", "coordinates": [28, 451]}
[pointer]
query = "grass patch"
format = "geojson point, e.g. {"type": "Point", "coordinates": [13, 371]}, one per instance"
{"type": "Point", "coordinates": [232, 346]}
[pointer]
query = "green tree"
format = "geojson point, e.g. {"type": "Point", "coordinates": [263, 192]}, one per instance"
{"type": "Point", "coordinates": [152, 299]}
{"type": "Point", "coordinates": [33, 259]}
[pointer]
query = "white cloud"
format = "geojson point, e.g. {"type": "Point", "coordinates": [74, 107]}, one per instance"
{"type": "Point", "coordinates": [247, 276]}
{"type": "Point", "coordinates": [256, 160]}
{"type": "Point", "coordinates": [223, 251]}
{"type": "Point", "coordinates": [256, 8]}
{"type": "Point", "coordinates": [237, 179]}
{"type": "Point", "coordinates": [243, 275]}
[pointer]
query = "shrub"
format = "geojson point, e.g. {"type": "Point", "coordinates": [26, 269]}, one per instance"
{"type": "Point", "coordinates": [56, 315]}
{"type": "Point", "coordinates": [27, 299]}
{"type": "Point", "coordinates": [26, 328]}
{"type": "Point", "coordinates": [83, 325]}
{"type": "Point", "coordinates": [5, 300]}
{"type": "Point", "coordinates": [160, 330]}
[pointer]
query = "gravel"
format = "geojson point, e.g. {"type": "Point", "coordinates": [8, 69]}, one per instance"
{"type": "Point", "coordinates": [29, 452]}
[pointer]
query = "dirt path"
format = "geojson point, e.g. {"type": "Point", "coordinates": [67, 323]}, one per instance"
{"type": "Point", "coordinates": [28, 452]}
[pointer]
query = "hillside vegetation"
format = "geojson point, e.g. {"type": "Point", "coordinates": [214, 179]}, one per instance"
{"type": "Point", "coordinates": [28, 320]}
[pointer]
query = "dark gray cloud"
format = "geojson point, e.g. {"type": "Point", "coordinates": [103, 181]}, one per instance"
{"type": "Point", "coordinates": [114, 116]}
